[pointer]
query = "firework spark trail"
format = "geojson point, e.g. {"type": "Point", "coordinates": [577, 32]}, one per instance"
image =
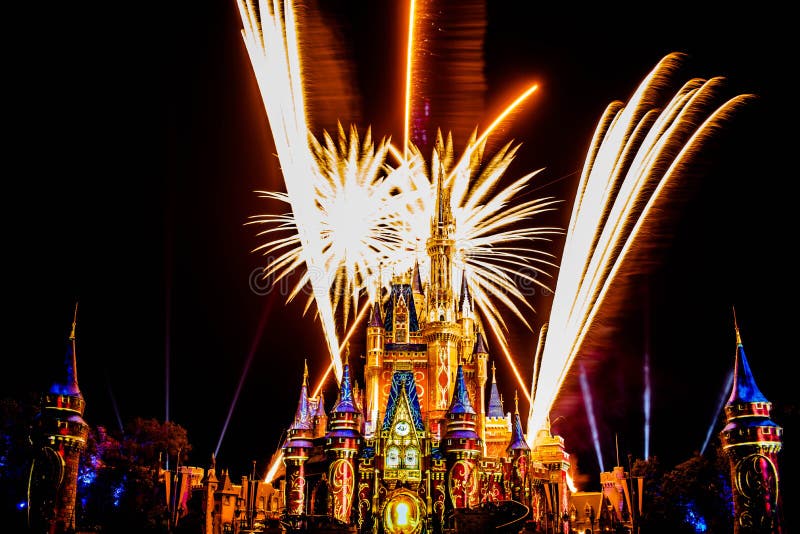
{"type": "Point", "coordinates": [635, 153]}
{"type": "Point", "coordinates": [341, 247]}
{"type": "Point", "coordinates": [270, 37]}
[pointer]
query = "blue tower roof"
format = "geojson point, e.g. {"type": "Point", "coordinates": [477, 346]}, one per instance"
{"type": "Point", "coordinates": [495, 402]}
{"type": "Point", "coordinates": [399, 290]}
{"type": "Point", "coordinates": [302, 417]}
{"type": "Point", "coordinates": [320, 406]}
{"type": "Point", "coordinates": [403, 381]}
{"type": "Point", "coordinates": [375, 316]}
{"type": "Point", "coordinates": [480, 345]}
{"type": "Point", "coordinates": [69, 385]}
{"type": "Point", "coordinates": [744, 385]}
{"type": "Point", "coordinates": [460, 402]}
{"type": "Point", "coordinates": [517, 435]}
{"type": "Point", "coordinates": [345, 403]}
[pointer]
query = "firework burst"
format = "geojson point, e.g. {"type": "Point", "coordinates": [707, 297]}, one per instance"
{"type": "Point", "coordinates": [353, 214]}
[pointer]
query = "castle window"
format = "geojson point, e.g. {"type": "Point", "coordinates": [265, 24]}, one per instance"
{"type": "Point", "coordinates": [393, 457]}
{"type": "Point", "coordinates": [411, 459]}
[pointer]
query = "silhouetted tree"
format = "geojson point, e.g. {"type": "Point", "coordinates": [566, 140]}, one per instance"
{"type": "Point", "coordinates": [122, 485]}
{"type": "Point", "coordinates": [692, 497]}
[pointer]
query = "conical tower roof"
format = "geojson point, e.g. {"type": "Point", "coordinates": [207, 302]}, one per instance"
{"type": "Point", "coordinates": [465, 303]}
{"type": "Point", "coordinates": [302, 416]}
{"type": "Point", "coordinates": [416, 279]}
{"type": "Point", "coordinates": [517, 435]}
{"type": "Point", "coordinates": [320, 406]}
{"type": "Point", "coordinates": [68, 385]}
{"type": "Point", "coordinates": [345, 402]}
{"type": "Point", "coordinates": [375, 316]}
{"type": "Point", "coordinates": [480, 345]}
{"type": "Point", "coordinates": [495, 402]}
{"type": "Point", "coordinates": [744, 385]}
{"type": "Point", "coordinates": [460, 403]}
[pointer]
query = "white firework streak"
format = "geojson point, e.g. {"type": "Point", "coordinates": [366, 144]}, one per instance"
{"type": "Point", "coordinates": [635, 152]}
{"type": "Point", "coordinates": [270, 36]}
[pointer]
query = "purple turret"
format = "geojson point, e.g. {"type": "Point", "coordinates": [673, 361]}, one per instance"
{"type": "Point", "coordinates": [296, 450]}
{"type": "Point", "coordinates": [495, 402]}
{"type": "Point", "coordinates": [463, 447]}
{"type": "Point", "coordinates": [752, 441]}
{"type": "Point", "coordinates": [518, 442]}
{"type": "Point", "coordinates": [520, 454]}
{"type": "Point", "coordinates": [375, 317]}
{"type": "Point", "coordinates": [342, 444]}
{"type": "Point", "coordinates": [480, 345]}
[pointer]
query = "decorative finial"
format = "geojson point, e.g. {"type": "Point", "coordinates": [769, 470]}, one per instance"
{"type": "Point", "coordinates": [74, 322]}
{"type": "Point", "coordinates": [379, 293]}
{"type": "Point", "coordinates": [347, 353]}
{"type": "Point", "coordinates": [494, 379]}
{"type": "Point", "coordinates": [516, 402]}
{"type": "Point", "coordinates": [736, 327]}
{"type": "Point", "coordinates": [305, 371]}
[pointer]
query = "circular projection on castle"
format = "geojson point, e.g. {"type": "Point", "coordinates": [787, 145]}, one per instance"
{"type": "Point", "coordinates": [403, 514]}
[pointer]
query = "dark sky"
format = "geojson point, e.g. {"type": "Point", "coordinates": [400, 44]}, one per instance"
{"type": "Point", "coordinates": [137, 139]}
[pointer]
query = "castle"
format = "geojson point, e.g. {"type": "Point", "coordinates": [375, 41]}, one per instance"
{"type": "Point", "coordinates": [420, 448]}
{"type": "Point", "coordinates": [421, 440]}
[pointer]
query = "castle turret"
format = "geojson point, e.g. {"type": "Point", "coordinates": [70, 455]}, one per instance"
{"type": "Point", "coordinates": [442, 333]}
{"type": "Point", "coordinates": [210, 483]}
{"type": "Point", "coordinates": [463, 447]}
{"type": "Point", "coordinates": [60, 438]}
{"type": "Point", "coordinates": [480, 359]}
{"type": "Point", "coordinates": [320, 418]}
{"type": "Point", "coordinates": [376, 339]}
{"type": "Point", "coordinates": [520, 454]}
{"type": "Point", "coordinates": [342, 444]}
{"type": "Point", "coordinates": [441, 248]}
{"type": "Point", "coordinates": [752, 441]}
{"type": "Point", "coordinates": [498, 423]}
{"type": "Point", "coordinates": [296, 451]}
{"type": "Point", "coordinates": [418, 291]}
{"type": "Point", "coordinates": [466, 316]}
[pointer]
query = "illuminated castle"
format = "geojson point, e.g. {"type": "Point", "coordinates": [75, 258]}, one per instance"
{"type": "Point", "coordinates": [419, 448]}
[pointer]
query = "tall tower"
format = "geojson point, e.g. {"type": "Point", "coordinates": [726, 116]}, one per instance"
{"type": "Point", "coordinates": [751, 442]}
{"type": "Point", "coordinates": [463, 448]}
{"type": "Point", "coordinates": [342, 443]}
{"type": "Point", "coordinates": [296, 451]}
{"type": "Point", "coordinates": [60, 437]}
{"type": "Point", "coordinates": [498, 426]}
{"type": "Point", "coordinates": [441, 333]}
{"type": "Point", "coordinates": [520, 454]}
{"type": "Point", "coordinates": [376, 336]}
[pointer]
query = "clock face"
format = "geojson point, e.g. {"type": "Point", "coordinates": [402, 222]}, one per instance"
{"type": "Point", "coordinates": [402, 428]}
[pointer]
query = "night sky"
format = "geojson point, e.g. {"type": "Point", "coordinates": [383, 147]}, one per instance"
{"type": "Point", "coordinates": [137, 140]}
